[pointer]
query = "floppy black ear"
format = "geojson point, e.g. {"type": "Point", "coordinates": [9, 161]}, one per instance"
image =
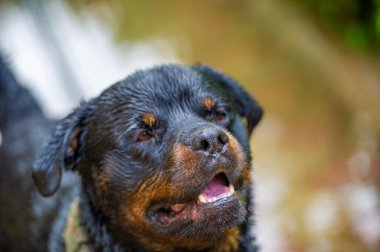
{"type": "Point", "coordinates": [247, 106]}
{"type": "Point", "coordinates": [62, 151]}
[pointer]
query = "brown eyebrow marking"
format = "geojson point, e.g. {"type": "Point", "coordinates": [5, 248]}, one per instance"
{"type": "Point", "coordinates": [208, 103]}
{"type": "Point", "coordinates": [149, 119]}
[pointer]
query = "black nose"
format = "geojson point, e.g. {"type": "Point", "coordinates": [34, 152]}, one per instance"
{"type": "Point", "coordinates": [210, 140]}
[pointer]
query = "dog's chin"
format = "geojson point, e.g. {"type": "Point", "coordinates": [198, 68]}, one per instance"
{"type": "Point", "coordinates": [216, 209]}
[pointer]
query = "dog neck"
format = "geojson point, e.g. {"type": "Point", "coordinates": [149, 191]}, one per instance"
{"type": "Point", "coordinates": [92, 225]}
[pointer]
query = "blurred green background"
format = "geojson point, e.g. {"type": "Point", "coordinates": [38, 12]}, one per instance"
{"type": "Point", "coordinates": [314, 67]}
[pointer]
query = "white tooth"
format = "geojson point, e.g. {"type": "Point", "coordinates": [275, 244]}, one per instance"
{"type": "Point", "coordinates": [202, 199]}
{"type": "Point", "coordinates": [232, 189]}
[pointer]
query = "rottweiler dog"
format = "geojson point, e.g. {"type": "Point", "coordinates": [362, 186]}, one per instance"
{"type": "Point", "coordinates": [164, 162]}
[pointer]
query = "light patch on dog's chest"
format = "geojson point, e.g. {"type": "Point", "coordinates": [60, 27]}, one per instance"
{"type": "Point", "coordinates": [74, 237]}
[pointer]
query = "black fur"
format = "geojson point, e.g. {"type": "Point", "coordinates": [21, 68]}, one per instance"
{"type": "Point", "coordinates": [246, 105]}
{"type": "Point", "coordinates": [25, 217]}
{"type": "Point", "coordinates": [55, 154]}
{"type": "Point", "coordinates": [101, 141]}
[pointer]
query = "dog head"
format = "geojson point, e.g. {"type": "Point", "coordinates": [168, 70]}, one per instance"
{"type": "Point", "coordinates": [163, 156]}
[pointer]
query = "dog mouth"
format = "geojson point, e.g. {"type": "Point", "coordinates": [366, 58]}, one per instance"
{"type": "Point", "coordinates": [218, 193]}
{"type": "Point", "coordinates": [218, 188]}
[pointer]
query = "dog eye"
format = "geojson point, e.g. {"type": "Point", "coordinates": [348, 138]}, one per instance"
{"type": "Point", "coordinates": [144, 136]}
{"type": "Point", "coordinates": [218, 116]}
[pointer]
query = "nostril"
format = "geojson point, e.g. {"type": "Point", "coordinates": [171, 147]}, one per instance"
{"type": "Point", "coordinates": [223, 139]}
{"type": "Point", "coordinates": [200, 143]}
{"type": "Point", "coordinates": [211, 142]}
{"type": "Point", "coordinates": [205, 145]}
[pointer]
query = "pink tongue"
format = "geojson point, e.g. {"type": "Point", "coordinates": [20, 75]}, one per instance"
{"type": "Point", "coordinates": [215, 188]}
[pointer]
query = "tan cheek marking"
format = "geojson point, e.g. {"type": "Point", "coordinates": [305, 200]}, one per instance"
{"type": "Point", "coordinates": [149, 119]}
{"type": "Point", "coordinates": [134, 212]}
{"type": "Point", "coordinates": [236, 148]}
{"type": "Point", "coordinates": [157, 187]}
{"type": "Point", "coordinates": [154, 188]}
{"type": "Point", "coordinates": [184, 157]}
{"type": "Point", "coordinates": [208, 103]}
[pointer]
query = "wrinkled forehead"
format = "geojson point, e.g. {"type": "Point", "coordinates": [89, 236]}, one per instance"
{"type": "Point", "coordinates": [165, 85]}
{"type": "Point", "coordinates": [161, 90]}
{"type": "Point", "coordinates": [157, 86]}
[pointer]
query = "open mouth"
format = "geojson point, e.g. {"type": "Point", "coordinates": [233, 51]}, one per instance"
{"type": "Point", "coordinates": [219, 191]}
{"type": "Point", "coordinates": [218, 188]}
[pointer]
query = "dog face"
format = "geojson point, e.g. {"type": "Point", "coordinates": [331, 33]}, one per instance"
{"type": "Point", "coordinates": [163, 156]}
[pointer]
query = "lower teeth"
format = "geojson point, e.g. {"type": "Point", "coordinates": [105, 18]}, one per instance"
{"type": "Point", "coordinates": [226, 195]}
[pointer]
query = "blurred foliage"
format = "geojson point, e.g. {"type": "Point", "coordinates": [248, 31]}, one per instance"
{"type": "Point", "coordinates": [357, 22]}
{"type": "Point", "coordinates": [321, 131]}
{"type": "Point", "coordinates": [321, 100]}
